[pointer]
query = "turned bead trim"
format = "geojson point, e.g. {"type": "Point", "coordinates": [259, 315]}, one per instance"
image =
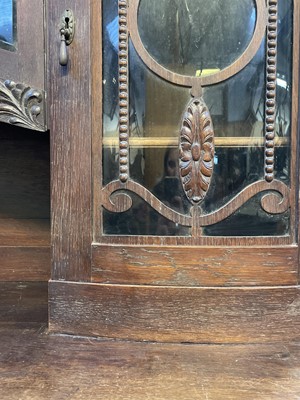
{"type": "Point", "coordinates": [270, 107]}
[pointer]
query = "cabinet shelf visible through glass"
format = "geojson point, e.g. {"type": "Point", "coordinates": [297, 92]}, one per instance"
{"type": "Point", "coordinates": [165, 142]}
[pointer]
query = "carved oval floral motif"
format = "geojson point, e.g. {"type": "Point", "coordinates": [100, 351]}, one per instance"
{"type": "Point", "coordinates": [196, 151]}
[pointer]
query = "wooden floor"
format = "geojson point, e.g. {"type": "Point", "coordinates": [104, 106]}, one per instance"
{"type": "Point", "coordinates": [37, 366]}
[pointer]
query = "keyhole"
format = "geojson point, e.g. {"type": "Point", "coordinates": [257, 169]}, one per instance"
{"type": "Point", "coordinates": [67, 19]}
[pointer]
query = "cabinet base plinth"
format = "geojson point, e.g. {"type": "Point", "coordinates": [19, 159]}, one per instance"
{"type": "Point", "coordinates": [170, 314]}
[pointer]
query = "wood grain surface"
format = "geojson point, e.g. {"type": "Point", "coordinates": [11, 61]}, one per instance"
{"type": "Point", "coordinates": [24, 232]}
{"type": "Point", "coordinates": [166, 314]}
{"type": "Point", "coordinates": [26, 263]}
{"type": "Point", "coordinates": [24, 205]}
{"type": "Point", "coordinates": [23, 303]}
{"type": "Point", "coordinates": [195, 266]}
{"type": "Point", "coordinates": [70, 116]}
{"type": "Point", "coordinates": [35, 366]}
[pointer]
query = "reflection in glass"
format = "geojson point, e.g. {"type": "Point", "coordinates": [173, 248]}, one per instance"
{"type": "Point", "coordinates": [284, 88]}
{"type": "Point", "coordinates": [250, 219]}
{"type": "Point", "coordinates": [237, 109]}
{"type": "Point", "coordinates": [156, 106]}
{"type": "Point", "coordinates": [141, 219]}
{"type": "Point", "coordinates": [194, 37]}
{"type": "Point", "coordinates": [7, 24]}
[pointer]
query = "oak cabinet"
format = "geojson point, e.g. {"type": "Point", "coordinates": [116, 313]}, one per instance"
{"type": "Point", "coordinates": [174, 165]}
{"type": "Point", "coordinates": [183, 221]}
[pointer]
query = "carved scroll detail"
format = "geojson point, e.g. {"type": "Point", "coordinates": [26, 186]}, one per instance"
{"type": "Point", "coordinates": [271, 90]}
{"type": "Point", "coordinates": [115, 199]}
{"type": "Point", "coordinates": [276, 201]}
{"type": "Point", "coordinates": [196, 151]}
{"type": "Point", "coordinates": [22, 105]}
{"type": "Point", "coordinates": [123, 92]}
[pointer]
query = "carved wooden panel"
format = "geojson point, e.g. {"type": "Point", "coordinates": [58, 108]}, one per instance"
{"type": "Point", "coordinates": [196, 151]}
{"type": "Point", "coordinates": [22, 105]}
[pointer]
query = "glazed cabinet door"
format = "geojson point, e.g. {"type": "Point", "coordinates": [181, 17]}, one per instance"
{"type": "Point", "coordinates": [180, 217]}
{"type": "Point", "coordinates": [199, 144]}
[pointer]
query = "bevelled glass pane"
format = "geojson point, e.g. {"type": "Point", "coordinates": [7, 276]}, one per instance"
{"type": "Point", "coordinates": [7, 23]}
{"type": "Point", "coordinates": [284, 88]}
{"type": "Point", "coordinates": [193, 37]}
{"type": "Point", "coordinates": [141, 219]}
{"type": "Point", "coordinates": [251, 220]}
{"type": "Point", "coordinates": [237, 108]}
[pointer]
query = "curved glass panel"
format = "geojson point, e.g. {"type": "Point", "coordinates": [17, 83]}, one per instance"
{"type": "Point", "coordinates": [7, 24]}
{"type": "Point", "coordinates": [237, 107]}
{"type": "Point", "coordinates": [250, 219]}
{"type": "Point", "coordinates": [196, 37]}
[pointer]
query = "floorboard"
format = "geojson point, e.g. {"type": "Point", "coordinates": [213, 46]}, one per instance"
{"type": "Point", "coordinates": [36, 365]}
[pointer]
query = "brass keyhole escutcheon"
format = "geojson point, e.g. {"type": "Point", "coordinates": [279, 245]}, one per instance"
{"type": "Point", "coordinates": [67, 31]}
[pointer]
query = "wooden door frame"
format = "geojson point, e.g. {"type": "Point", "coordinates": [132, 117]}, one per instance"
{"type": "Point", "coordinates": [70, 99]}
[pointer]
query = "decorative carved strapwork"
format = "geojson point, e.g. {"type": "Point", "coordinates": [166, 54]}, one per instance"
{"type": "Point", "coordinates": [123, 92]}
{"type": "Point", "coordinates": [275, 201]}
{"type": "Point", "coordinates": [22, 105]}
{"type": "Point", "coordinates": [196, 151]}
{"type": "Point", "coordinates": [270, 118]}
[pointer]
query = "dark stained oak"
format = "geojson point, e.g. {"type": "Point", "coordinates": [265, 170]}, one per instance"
{"type": "Point", "coordinates": [170, 314]}
{"type": "Point", "coordinates": [115, 199]}
{"type": "Point", "coordinates": [196, 146]}
{"type": "Point", "coordinates": [270, 101]}
{"type": "Point", "coordinates": [35, 366]}
{"type": "Point", "coordinates": [26, 263]}
{"type": "Point", "coordinates": [246, 293]}
{"type": "Point", "coordinates": [23, 303]}
{"type": "Point", "coordinates": [24, 232]}
{"type": "Point", "coordinates": [203, 266]}
{"type": "Point", "coordinates": [24, 205]}
{"type": "Point", "coordinates": [96, 76]}
{"type": "Point", "coordinates": [124, 106]}
{"type": "Point", "coordinates": [70, 116]}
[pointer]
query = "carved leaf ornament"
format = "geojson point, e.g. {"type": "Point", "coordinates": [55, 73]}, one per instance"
{"type": "Point", "coordinates": [21, 105]}
{"type": "Point", "coordinates": [196, 151]}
